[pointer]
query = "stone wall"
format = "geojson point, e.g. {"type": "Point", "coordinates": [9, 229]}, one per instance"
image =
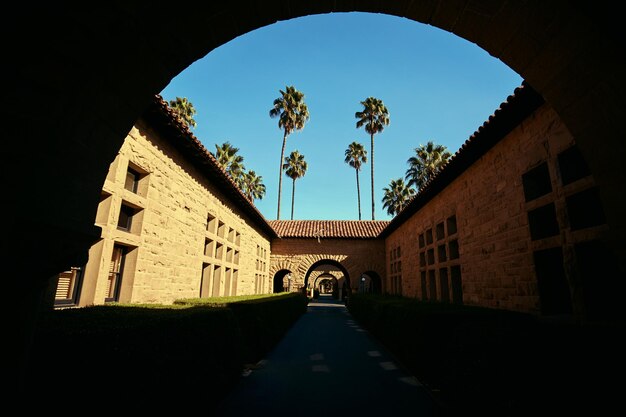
{"type": "Point", "coordinates": [185, 240]}
{"type": "Point", "coordinates": [472, 242]}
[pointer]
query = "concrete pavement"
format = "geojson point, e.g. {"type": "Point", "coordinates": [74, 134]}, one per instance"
{"type": "Point", "coordinates": [327, 365]}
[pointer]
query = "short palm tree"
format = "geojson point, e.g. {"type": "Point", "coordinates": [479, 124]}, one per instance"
{"type": "Point", "coordinates": [429, 159]}
{"type": "Point", "coordinates": [252, 186]}
{"type": "Point", "coordinates": [397, 196]}
{"type": "Point", "coordinates": [374, 117]}
{"type": "Point", "coordinates": [356, 155]}
{"type": "Point", "coordinates": [226, 155]}
{"type": "Point", "coordinates": [295, 167]}
{"type": "Point", "coordinates": [185, 110]}
{"type": "Point", "coordinates": [292, 113]}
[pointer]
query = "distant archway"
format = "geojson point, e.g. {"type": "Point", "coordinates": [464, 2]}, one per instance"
{"type": "Point", "coordinates": [372, 283]}
{"type": "Point", "coordinates": [343, 284]}
{"type": "Point", "coordinates": [280, 284]}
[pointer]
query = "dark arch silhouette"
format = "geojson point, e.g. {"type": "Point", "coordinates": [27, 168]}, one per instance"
{"type": "Point", "coordinates": [279, 280]}
{"type": "Point", "coordinates": [376, 283]}
{"type": "Point", "coordinates": [81, 104]}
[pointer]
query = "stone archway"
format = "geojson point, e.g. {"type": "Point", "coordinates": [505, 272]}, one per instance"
{"type": "Point", "coordinates": [372, 282]}
{"type": "Point", "coordinates": [279, 279]}
{"type": "Point", "coordinates": [81, 101]}
{"type": "Point", "coordinates": [329, 268]}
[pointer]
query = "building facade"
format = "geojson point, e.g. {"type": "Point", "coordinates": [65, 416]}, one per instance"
{"type": "Point", "coordinates": [168, 230]}
{"type": "Point", "coordinates": [513, 221]}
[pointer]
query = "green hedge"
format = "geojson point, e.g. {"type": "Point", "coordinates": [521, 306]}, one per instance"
{"type": "Point", "coordinates": [183, 356]}
{"type": "Point", "coordinates": [491, 361]}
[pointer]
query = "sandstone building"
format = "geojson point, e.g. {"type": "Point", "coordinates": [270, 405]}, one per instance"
{"type": "Point", "coordinates": [514, 221]}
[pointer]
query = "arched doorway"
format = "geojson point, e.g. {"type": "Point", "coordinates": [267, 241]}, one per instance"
{"type": "Point", "coordinates": [370, 282]}
{"type": "Point", "coordinates": [333, 273]}
{"type": "Point", "coordinates": [282, 281]}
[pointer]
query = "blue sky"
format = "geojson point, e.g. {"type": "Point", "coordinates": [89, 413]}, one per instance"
{"type": "Point", "coordinates": [436, 86]}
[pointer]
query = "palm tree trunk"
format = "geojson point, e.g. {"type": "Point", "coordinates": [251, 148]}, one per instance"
{"type": "Point", "coordinates": [293, 195]}
{"type": "Point", "coordinates": [280, 173]}
{"type": "Point", "coordinates": [358, 192]}
{"type": "Point", "coordinates": [372, 166]}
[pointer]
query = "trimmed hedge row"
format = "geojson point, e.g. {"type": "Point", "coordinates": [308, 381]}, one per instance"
{"type": "Point", "coordinates": [494, 362]}
{"type": "Point", "coordinates": [183, 356]}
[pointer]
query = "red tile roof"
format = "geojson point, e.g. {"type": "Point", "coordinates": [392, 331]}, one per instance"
{"type": "Point", "coordinates": [338, 229]}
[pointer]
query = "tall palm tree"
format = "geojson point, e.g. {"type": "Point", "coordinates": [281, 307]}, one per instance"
{"type": "Point", "coordinates": [295, 167]}
{"type": "Point", "coordinates": [429, 159]}
{"type": "Point", "coordinates": [356, 155]}
{"type": "Point", "coordinates": [397, 196]}
{"type": "Point", "coordinates": [253, 186]}
{"type": "Point", "coordinates": [185, 110]}
{"type": "Point", "coordinates": [374, 117]}
{"type": "Point", "coordinates": [226, 155]}
{"type": "Point", "coordinates": [292, 113]}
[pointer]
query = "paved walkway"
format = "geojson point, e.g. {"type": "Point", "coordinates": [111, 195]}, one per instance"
{"type": "Point", "coordinates": [325, 366]}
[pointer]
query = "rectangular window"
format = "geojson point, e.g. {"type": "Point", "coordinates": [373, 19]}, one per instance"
{"type": "Point", "coordinates": [208, 247]}
{"type": "Point", "coordinates": [116, 269]}
{"type": "Point", "coordinates": [429, 236]}
{"type": "Point", "coordinates": [441, 253]}
{"type": "Point", "coordinates": [422, 258]}
{"type": "Point", "coordinates": [210, 223]}
{"type": "Point", "coordinates": [229, 254]}
{"type": "Point", "coordinates": [132, 180]}
{"type": "Point", "coordinates": [68, 287]}
{"type": "Point", "coordinates": [439, 230]}
{"type": "Point", "coordinates": [453, 249]}
{"type": "Point", "coordinates": [219, 250]}
{"type": "Point", "coordinates": [431, 256]}
{"type": "Point", "coordinates": [457, 285]}
{"type": "Point", "coordinates": [584, 209]}
{"type": "Point", "coordinates": [542, 222]}
{"type": "Point", "coordinates": [443, 284]}
{"type": "Point", "coordinates": [424, 286]}
{"type": "Point", "coordinates": [451, 223]}
{"type": "Point", "coordinates": [125, 220]}
{"type": "Point", "coordinates": [432, 284]}
{"type": "Point", "coordinates": [572, 165]}
{"type": "Point", "coordinates": [227, 281]}
{"type": "Point", "coordinates": [536, 182]}
{"type": "Point", "coordinates": [217, 280]}
{"type": "Point", "coordinates": [422, 242]}
{"type": "Point", "coordinates": [205, 280]}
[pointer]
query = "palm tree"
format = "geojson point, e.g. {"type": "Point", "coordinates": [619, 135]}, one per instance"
{"type": "Point", "coordinates": [295, 167]}
{"type": "Point", "coordinates": [374, 117]}
{"type": "Point", "coordinates": [253, 186]}
{"type": "Point", "coordinates": [226, 155]}
{"type": "Point", "coordinates": [397, 196]}
{"type": "Point", "coordinates": [185, 110]}
{"type": "Point", "coordinates": [426, 163]}
{"type": "Point", "coordinates": [356, 155]}
{"type": "Point", "coordinates": [292, 115]}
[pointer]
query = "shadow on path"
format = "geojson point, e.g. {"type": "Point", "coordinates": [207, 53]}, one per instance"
{"type": "Point", "coordinates": [326, 365]}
